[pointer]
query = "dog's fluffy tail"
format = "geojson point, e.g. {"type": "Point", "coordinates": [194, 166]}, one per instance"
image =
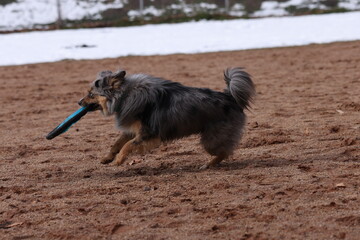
{"type": "Point", "coordinates": [240, 86]}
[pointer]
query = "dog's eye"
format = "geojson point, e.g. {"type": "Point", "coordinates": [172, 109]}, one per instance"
{"type": "Point", "coordinates": [97, 83]}
{"type": "Point", "coordinates": [91, 95]}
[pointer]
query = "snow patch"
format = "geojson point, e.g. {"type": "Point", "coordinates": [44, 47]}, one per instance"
{"type": "Point", "coordinates": [191, 37]}
{"type": "Point", "coordinates": [26, 14]}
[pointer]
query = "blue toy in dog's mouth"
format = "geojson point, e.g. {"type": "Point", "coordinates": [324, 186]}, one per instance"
{"type": "Point", "coordinates": [69, 121]}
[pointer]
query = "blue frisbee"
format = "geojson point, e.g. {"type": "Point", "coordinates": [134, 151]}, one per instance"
{"type": "Point", "coordinates": [69, 121]}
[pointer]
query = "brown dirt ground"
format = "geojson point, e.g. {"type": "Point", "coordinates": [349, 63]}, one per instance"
{"type": "Point", "coordinates": [295, 175]}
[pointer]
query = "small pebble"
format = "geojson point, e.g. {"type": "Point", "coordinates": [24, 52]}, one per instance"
{"type": "Point", "coordinates": [340, 185]}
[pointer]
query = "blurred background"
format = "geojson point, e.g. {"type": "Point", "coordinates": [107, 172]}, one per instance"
{"type": "Point", "coordinates": [25, 15]}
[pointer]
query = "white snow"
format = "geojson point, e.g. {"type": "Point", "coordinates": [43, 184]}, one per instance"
{"type": "Point", "coordinates": [350, 4]}
{"type": "Point", "coordinates": [270, 8]}
{"type": "Point", "coordinates": [192, 37]}
{"type": "Point", "coordinates": [28, 13]}
{"type": "Point", "coordinates": [237, 10]}
{"type": "Point", "coordinates": [152, 11]}
{"type": "Point", "coordinates": [274, 8]}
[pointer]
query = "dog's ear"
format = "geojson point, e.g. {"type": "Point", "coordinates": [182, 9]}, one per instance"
{"type": "Point", "coordinates": [120, 74]}
{"type": "Point", "coordinates": [117, 79]}
{"type": "Point", "coordinates": [104, 73]}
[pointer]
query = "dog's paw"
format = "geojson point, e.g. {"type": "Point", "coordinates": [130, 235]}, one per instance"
{"type": "Point", "coordinates": [107, 160]}
{"type": "Point", "coordinates": [210, 165]}
{"type": "Point", "coordinates": [119, 160]}
{"type": "Point", "coordinates": [118, 163]}
{"type": "Point", "coordinates": [205, 166]}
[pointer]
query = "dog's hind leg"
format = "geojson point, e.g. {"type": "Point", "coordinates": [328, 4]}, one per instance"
{"type": "Point", "coordinates": [220, 140]}
{"type": "Point", "coordinates": [216, 145]}
{"type": "Point", "coordinates": [118, 145]}
{"type": "Point", "coordinates": [136, 145]}
{"type": "Point", "coordinates": [214, 162]}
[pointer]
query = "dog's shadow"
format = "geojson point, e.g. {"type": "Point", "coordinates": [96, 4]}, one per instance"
{"type": "Point", "coordinates": [195, 168]}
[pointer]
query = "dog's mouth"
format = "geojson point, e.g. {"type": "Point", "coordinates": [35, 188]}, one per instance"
{"type": "Point", "coordinates": [93, 107]}
{"type": "Point", "coordinates": [94, 103]}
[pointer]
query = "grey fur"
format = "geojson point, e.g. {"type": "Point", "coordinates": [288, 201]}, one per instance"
{"type": "Point", "coordinates": [170, 110]}
{"type": "Point", "coordinates": [240, 86]}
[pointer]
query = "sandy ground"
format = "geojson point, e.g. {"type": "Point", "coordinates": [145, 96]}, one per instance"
{"type": "Point", "coordinates": [295, 175]}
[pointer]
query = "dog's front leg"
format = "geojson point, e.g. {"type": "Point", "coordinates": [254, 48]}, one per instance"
{"type": "Point", "coordinates": [136, 145]}
{"type": "Point", "coordinates": [115, 149]}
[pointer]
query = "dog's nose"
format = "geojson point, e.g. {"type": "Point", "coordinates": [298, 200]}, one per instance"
{"type": "Point", "coordinates": [81, 101]}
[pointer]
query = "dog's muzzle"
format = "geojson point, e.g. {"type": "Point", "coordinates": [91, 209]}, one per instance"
{"type": "Point", "coordinates": [81, 102]}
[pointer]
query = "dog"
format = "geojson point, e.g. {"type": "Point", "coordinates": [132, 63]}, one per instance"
{"type": "Point", "coordinates": [150, 110]}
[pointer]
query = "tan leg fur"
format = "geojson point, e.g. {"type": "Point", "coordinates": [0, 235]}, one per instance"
{"type": "Point", "coordinates": [115, 149]}
{"type": "Point", "coordinates": [136, 146]}
{"type": "Point", "coordinates": [214, 162]}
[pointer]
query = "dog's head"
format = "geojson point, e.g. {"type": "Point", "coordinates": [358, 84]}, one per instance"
{"type": "Point", "coordinates": [103, 89]}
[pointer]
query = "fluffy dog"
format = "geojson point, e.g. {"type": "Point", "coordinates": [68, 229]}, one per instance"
{"type": "Point", "coordinates": [150, 110]}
